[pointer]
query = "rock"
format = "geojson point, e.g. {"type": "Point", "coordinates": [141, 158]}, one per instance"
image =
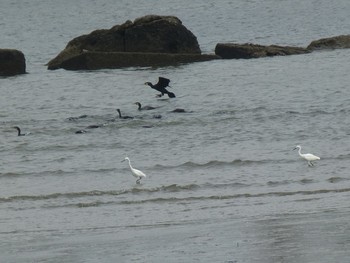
{"type": "Point", "coordinates": [229, 50]}
{"type": "Point", "coordinates": [330, 43]}
{"type": "Point", "coordinates": [148, 34]}
{"type": "Point", "coordinates": [12, 62]}
{"type": "Point", "coordinates": [100, 60]}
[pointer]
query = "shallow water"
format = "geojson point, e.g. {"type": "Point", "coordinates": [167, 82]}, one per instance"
{"type": "Point", "coordinates": [223, 184]}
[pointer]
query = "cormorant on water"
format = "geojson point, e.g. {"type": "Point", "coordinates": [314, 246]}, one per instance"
{"type": "Point", "coordinates": [161, 87]}
{"type": "Point", "coordinates": [76, 118]}
{"type": "Point", "coordinates": [94, 126]}
{"type": "Point", "coordinates": [123, 117]}
{"type": "Point", "coordinates": [19, 131]}
{"type": "Point", "coordinates": [144, 107]}
{"type": "Point", "coordinates": [178, 110]}
{"type": "Point", "coordinates": [80, 132]}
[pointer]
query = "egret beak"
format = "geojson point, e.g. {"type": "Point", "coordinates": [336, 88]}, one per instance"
{"type": "Point", "coordinates": [122, 160]}
{"type": "Point", "coordinates": [295, 148]}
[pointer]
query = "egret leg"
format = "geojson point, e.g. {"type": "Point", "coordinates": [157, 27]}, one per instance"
{"type": "Point", "coordinates": [138, 180]}
{"type": "Point", "coordinates": [310, 163]}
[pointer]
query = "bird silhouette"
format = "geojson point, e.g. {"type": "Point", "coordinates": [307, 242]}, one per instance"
{"type": "Point", "coordinates": [161, 87]}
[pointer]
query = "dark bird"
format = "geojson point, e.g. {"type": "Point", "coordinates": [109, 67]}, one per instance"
{"type": "Point", "coordinates": [76, 118]}
{"type": "Point", "coordinates": [123, 117]}
{"type": "Point", "coordinates": [178, 110]}
{"type": "Point", "coordinates": [144, 107]}
{"type": "Point", "coordinates": [93, 126]}
{"type": "Point", "coordinates": [80, 132]}
{"type": "Point", "coordinates": [19, 131]}
{"type": "Point", "coordinates": [161, 87]}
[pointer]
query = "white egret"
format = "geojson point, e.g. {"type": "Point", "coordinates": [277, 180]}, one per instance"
{"type": "Point", "coordinates": [307, 156]}
{"type": "Point", "coordinates": [136, 173]}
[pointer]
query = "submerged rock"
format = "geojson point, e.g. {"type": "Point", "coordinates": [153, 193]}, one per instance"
{"type": "Point", "coordinates": [12, 62]}
{"type": "Point", "coordinates": [130, 44]}
{"type": "Point", "coordinates": [336, 42]}
{"type": "Point", "coordinates": [248, 50]}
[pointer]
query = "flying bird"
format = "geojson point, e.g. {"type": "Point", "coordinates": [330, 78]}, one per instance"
{"type": "Point", "coordinates": [161, 87]}
{"type": "Point", "coordinates": [136, 173]}
{"type": "Point", "coordinates": [307, 156]}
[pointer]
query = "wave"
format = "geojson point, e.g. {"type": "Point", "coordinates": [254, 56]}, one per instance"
{"type": "Point", "coordinates": [169, 188]}
{"type": "Point", "coordinates": [192, 188]}
{"type": "Point", "coordinates": [10, 174]}
{"type": "Point", "coordinates": [235, 196]}
{"type": "Point", "coordinates": [58, 172]}
{"type": "Point", "coordinates": [215, 163]}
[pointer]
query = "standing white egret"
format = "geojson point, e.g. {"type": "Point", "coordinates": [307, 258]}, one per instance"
{"type": "Point", "coordinates": [307, 156]}
{"type": "Point", "coordinates": [136, 173]}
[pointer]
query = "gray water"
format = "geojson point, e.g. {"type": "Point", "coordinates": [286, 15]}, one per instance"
{"type": "Point", "coordinates": [223, 184]}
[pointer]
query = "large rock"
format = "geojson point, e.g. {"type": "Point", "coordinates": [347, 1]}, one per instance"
{"type": "Point", "coordinates": [91, 60]}
{"type": "Point", "coordinates": [148, 34]}
{"type": "Point", "coordinates": [12, 62]}
{"type": "Point", "coordinates": [230, 50]}
{"type": "Point", "coordinates": [330, 43]}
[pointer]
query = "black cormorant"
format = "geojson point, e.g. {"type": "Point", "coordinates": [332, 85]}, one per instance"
{"type": "Point", "coordinates": [94, 126]}
{"type": "Point", "coordinates": [123, 117]}
{"type": "Point", "coordinates": [19, 131]}
{"type": "Point", "coordinates": [80, 132]}
{"type": "Point", "coordinates": [178, 110]}
{"type": "Point", "coordinates": [76, 118]}
{"type": "Point", "coordinates": [161, 87]}
{"type": "Point", "coordinates": [144, 107]}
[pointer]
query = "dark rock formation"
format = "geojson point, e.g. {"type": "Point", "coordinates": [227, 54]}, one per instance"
{"type": "Point", "coordinates": [99, 60]}
{"type": "Point", "coordinates": [230, 51]}
{"type": "Point", "coordinates": [330, 43]}
{"type": "Point", "coordinates": [148, 34]}
{"type": "Point", "coordinates": [12, 62]}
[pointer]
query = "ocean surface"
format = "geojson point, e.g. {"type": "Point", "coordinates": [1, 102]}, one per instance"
{"type": "Point", "coordinates": [223, 182]}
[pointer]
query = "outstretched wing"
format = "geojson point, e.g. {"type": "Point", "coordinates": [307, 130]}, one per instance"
{"type": "Point", "coordinates": [163, 82]}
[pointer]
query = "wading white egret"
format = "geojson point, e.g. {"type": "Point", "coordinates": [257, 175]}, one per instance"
{"type": "Point", "coordinates": [136, 173]}
{"type": "Point", "coordinates": [307, 156]}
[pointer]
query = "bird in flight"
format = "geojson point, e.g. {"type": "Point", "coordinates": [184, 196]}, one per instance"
{"type": "Point", "coordinates": [161, 87]}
